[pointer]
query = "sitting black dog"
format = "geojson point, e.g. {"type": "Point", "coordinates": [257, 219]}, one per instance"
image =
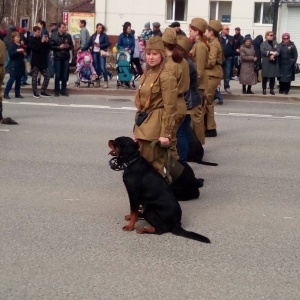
{"type": "Point", "coordinates": [147, 188]}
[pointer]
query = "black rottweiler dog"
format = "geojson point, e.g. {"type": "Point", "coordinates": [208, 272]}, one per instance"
{"type": "Point", "coordinates": [196, 151]}
{"type": "Point", "coordinates": [147, 188]}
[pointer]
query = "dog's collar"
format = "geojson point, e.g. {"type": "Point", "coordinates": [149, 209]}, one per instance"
{"type": "Point", "coordinates": [115, 164]}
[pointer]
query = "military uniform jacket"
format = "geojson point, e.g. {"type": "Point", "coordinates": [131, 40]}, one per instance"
{"type": "Point", "coordinates": [163, 107]}
{"type": "Point", "coordinates": [215, 59]}
{"type": "Point", "coordinates": [200, 56]}
{"type": "Point", "coordinates": [181, 72]}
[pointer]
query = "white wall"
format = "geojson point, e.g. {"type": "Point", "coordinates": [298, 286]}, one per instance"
{"type": "Point", "coordinates": [113, 13]}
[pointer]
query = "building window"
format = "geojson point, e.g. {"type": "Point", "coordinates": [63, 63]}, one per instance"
{"type": "Point", "coordinates": [221, 11]}
{"type": "Point", "coordinates": [177, 10]}
{"type": "Point", "coordinates": [263, 13]}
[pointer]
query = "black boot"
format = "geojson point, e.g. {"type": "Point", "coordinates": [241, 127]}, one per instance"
{"type": "Point", "coordinates": [210, 133]}
{"type": "Point", "coordinates": [249, 90]}
{"type": "Point", "coordinates": [244, 89]}
{"type": "Point", "coordinates": [272, 92]}
{"type": "Point", "coordinates": [264, 92]}
{"type": "Point", "coordinates": [7, 121]}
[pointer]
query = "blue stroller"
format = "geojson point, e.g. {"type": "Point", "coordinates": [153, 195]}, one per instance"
{"type": "Point", "coordinates": [124, 70]}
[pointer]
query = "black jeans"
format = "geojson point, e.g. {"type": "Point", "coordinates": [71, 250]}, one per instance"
{"type": "Point", "coordinates": [137, 63]}
{"type": "Point", "coordinates": [284, 87]}
{"type": "Point", "coordinates": [265, 80]}
{"type": "Point", "coordinates": [61, 74]}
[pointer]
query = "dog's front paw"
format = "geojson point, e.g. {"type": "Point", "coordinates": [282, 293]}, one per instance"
{"type": "Point", "coordinates": [128, 228]}
{"type": "Point", "coordinates": [127, 217]}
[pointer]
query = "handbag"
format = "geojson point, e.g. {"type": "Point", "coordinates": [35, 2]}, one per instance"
{"type": "Point", "coordinates": [104, 53]}
{"type": "Point", "coordinates": [257, 66]}
{"type": "Point", "coordinates": [141, 117]}
{"type": "Point", "coordinates": [297, 68]}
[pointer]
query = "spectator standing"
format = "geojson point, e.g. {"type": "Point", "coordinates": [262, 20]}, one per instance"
{"type": "Point", "coordinates": [256, 44]}
{"type": "Point", "coordinates": [136, 57]}
{"type": "Point", "coordinates": [84, 36]}
{"type": "Point", "coordinates": [7, 38]}
{"type": "Point", "coordinates": [39, 46]}
{"type": "Point", "coordinates": [238, 41]}
{"type": "Point", "coordinates": [156, 29]}
{"type": "Point", "coordinates": [146, 33]}
{"type": "Point", "coordinates": [228, 51]}
{"type": "Point", "coordinates": [16, 65]}
{"type": "Point", "coordinates": [287, 58]}
{"type": "Point", "coordinates": [248, 59]}
{"type": "Point", "coordinates": [99, 41]}
{"type": "Point", "coordinates": [61, 43]}
{"type": "Point", "coordinates": [43, 26]}
{"type": "Point", "coordinates": [270, 66]}
{"type": "Point", "coordinates": [176, 25]}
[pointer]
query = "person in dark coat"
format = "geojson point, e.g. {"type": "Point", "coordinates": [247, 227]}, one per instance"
{"type": "Point", "coordinates": [248, 59]}
{"type": "Point", "coordinates": [270, 66]}
{"type": "Point", "coordinates": [16, 65]}
{"type": "Point", "coordinates": [256, 44]}
{"type": "Point", "coordinates": [287, 58]}
{"type": "Point", "coordinates": [39, 46]}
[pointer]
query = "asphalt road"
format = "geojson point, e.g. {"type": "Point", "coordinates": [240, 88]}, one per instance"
{"type": "Point", "coordinates": [62, 207]}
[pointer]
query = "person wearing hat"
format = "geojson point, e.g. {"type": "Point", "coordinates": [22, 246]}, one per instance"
{"type": "Point", "coordinates": [192, 98]}
{"type": "Point", "coordinates": [215, 74]}
{"type": "Point", "coordinates": [176, 26]}
{"type": "Point", "coordinates": [248, 59]}
{"type": "Point", "coordinates": [288, 56]}
{"type": "Point", "coordinates": [156, 105]}
{"type": "Point", "coordinates": [238, 41]}
{"type": "Point", "coordinates": [179, 68]}
{"type": "Point", "coordinates": [199, 54]}
{"type": "Point", "coordinates": [146, 33]}
{"type": "Point", "coordinates": [156, 29]}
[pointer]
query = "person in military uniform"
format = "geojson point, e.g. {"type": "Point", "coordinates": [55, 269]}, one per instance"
{"type": "Point", "coordinates": [156, 107]}
{"type": "Point", "coordinates": [179, 68]}
{"type": "Point", "coordinates": [7, 121]}
{"type": "Point", "coordinates": [215, 74]}
{"type": "Point", "coordinates": [199, 54]}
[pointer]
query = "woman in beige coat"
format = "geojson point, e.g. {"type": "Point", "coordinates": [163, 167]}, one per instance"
{"type": "Point", "coordinates": [248, 59]}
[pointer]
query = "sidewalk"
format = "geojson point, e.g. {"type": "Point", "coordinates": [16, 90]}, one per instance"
{"type": "Point", "coordinates": [235, 87]}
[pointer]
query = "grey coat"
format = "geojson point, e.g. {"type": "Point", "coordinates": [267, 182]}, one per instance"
{"type": "Point", "coordinates": [84, 37]}
{"type": "Point", "coordinates": [288, 55]}
{"type": "Point", "coordinates": [247, 73]}
{"type": "Point", "coordinates": [269, 69]}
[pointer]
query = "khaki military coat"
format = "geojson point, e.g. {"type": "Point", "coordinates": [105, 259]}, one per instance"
{"type": "Point", "coordinates": [215, 59]}
{"type": "Point", "coordinates": [199, 54]}
{"type": "Point", "coordinates": [163, 104]}
{"type": "Point", "coordinates": [181, 72]}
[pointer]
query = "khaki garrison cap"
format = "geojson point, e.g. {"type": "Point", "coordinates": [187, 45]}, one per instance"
{"type": "Point", "coordinates": [169, 36]}
{"type": "Point", "coordinates": [155, 43]}
{"type": "Point", "coordinates": [184, 42]}
{"type": "Point", "coordinates": [216, 25]}
{"type": "Point", "coordinates": [200, 24]}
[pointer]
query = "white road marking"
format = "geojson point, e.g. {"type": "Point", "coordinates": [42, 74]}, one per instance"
{"type": "Point", "coordinates": [4, 130]}
{"type": "Point", "coordinates": [132, 108]}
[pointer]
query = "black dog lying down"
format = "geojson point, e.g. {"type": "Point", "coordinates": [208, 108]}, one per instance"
{"type": "Point", "coordinates": [146, 187]}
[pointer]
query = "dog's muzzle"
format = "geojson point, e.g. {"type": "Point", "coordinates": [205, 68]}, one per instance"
{"type": "Point", "coordinates": [116, 165]}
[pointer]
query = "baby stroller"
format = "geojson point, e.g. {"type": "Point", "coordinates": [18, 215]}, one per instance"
{"type": "Point", "coordinates": [80, 76]}
{"type": "Point", "coordinates": [124, 70]}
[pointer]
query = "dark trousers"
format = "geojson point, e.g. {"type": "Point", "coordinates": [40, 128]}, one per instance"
{"type": "Point", "coordinates": [284, 87]}
{"type": "Point", "coordinates": [183, 138]}
{"type": "Point", "coordinates": [10, 83]}
{"type": "Point", "coordinates": [227, 69]}
{"type": "Point", "coordinates": [35, 71]}
{"type": "Point", "coordinates": [137, 63]}
{"type": "Point", "coordinates": [265, 80]}
{"type": "Point", "coordinates": [61, 74]}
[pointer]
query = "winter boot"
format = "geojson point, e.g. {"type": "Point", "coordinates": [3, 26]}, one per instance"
{"type": "Point", "coordinates": [7, 121]}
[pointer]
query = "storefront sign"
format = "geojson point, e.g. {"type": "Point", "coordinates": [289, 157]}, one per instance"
{"type": "Point", "coordinates": [75, 17]}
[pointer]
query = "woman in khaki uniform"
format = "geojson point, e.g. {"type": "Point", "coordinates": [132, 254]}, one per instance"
{"type": "Point", "coordinates": [156, 106]}
{"type": "Point", "coordinates": [199, 54]}
{"type": "Point", "coordinates": [179, 68]}
{"type": "Point", "coordinates": [215, 74]}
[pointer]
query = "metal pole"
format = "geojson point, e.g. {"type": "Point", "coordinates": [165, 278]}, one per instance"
{"type": "Point", "coordinates": [275, 17]}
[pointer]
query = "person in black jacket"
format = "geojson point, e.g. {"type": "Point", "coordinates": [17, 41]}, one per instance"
{"type": "Point", "coordinates": [39, 61]}
{"type": "Point", "coordinates": [228, 51]}
{"type": "Point", "coordinates": [61, 43]}
{"type": "Point", "coordinates": [238, 42]}
{"type": "Point", "coordinates": [16, 65]}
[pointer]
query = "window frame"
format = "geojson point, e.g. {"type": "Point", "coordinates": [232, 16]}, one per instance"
{"type": "Point", "coordinates": [217, 11]}
{"type": "Point", "coordinates": [261, 15]}
{"type": "Point", "coordinates": [174, 10]}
